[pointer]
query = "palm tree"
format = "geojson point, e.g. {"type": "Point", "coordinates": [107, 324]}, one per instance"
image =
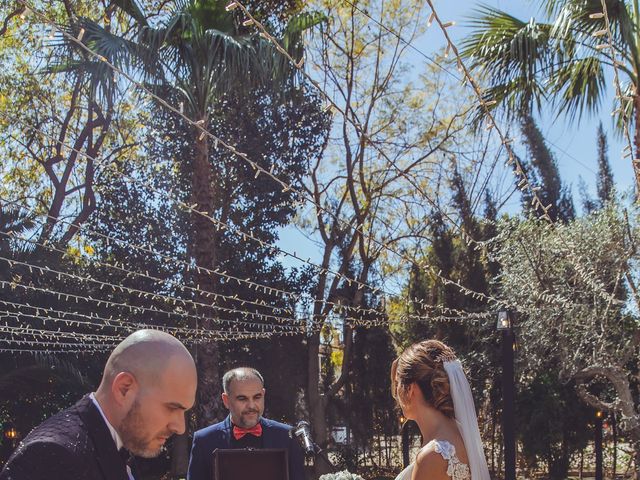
{"type": "Point", "coordinates": [204, 53]}
{"type": "Point", "coordinates": [564, 61]}
{"type": "Point", "coordinates": [199, 53]}
{"type": "Point", "coordinates": [13, 221]}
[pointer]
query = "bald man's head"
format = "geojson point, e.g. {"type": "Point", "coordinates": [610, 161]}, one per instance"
{"type": "Point", "coordinates": [148, 383]}
{"type": "Point", "coordinates": [145, 354]}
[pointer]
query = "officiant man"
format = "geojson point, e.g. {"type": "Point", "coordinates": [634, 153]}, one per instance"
{"type": "Point", "coordinates": [245, 427]}
{"type": "Point", "coordinates": [149, 381]}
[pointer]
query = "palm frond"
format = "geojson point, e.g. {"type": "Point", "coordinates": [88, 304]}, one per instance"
{"type": "Point", "coordinates": [205, 53]}
{"type": "Point", "coordinates": [573, 23]}
{"type": "Point", "coordinates": [133, 10]}
{"type": "Point", "coordinates": [70, 57]}
{"type": "Point", "coordinates": [300, 23]}
{"type": "Point", "coordinates": [514, 53]}
{"type": "Point", "coordinates": [580, 86]}
{"type": "Point", "coordinates": [13, 220]}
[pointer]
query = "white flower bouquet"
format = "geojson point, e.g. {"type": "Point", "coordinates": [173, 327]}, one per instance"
{"type": "Point", "coordinates": [344, 475]}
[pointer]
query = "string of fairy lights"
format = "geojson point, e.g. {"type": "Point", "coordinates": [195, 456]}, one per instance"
{"type": "Point", "coordinates": [523, 183]}
{"type": "Point", "coordinates": [295, 325]}
{"type": "Point", "coordinates": [338, 307]}
{"type": "Point", "coordinates": [129, 272]}
{"type": "Point", "coordinates": [97, 322]}
{"type": "Point", "coordinates": [190, 336]}
{"type": "Point", "coordinates": [169, 283]}
{"type": "Point", "coordinates": [211, 335]}
{"type": "Point", "coordinates": [144, 295]}
{"type": "Point", "coordinates": [258, 169]}
{"type": "Point", "coordinates": [248, 236]}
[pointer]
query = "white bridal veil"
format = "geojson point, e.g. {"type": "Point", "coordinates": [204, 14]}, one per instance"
{"type": "Point", "coordinates": [465, 413]}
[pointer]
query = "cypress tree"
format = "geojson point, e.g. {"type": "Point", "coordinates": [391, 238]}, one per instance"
{"type": "Point", "coordinates": [542, 160]}
{"type": "Point", "coordinates": [604, 182]}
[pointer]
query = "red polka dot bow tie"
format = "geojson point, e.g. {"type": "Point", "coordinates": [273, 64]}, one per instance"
{"type": "Point", "coordinates": [238, 432]}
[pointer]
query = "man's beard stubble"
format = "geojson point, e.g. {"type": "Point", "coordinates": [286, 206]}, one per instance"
{"type": "Point", "coordinates": [131, 432]}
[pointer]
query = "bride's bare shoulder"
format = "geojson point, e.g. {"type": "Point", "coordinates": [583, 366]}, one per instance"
{"type": "Point", "coordinates": [430, 465]}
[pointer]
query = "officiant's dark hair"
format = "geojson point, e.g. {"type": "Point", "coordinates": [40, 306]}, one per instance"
{"type": "Point", "coordinates": [421, 363]}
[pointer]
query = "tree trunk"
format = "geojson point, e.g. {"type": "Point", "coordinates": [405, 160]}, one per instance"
{"type": "Point", "coordinates": [494, 419]}
{"type": "Point", "coordinates": [581, 468]}
{"type": "Point", "coordinates": [614, 431]}
{"type": "Point", "coordinates": [636, 446]}
{"type": "Point", "coordinates": [203, 183]}
{"type": "Point", "coordinates": [624, 405]}
{"type": "Point", "coordinates": [317, 401]}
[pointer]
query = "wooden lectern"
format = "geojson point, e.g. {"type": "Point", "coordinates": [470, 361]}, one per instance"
{"type": "Point", "coordinates": [250, 464]}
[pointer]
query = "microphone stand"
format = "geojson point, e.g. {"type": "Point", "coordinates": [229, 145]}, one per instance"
{"type": "Point", "coordinates": [321, 454]}
{"type": "Point", "coordinates": [309, 447]}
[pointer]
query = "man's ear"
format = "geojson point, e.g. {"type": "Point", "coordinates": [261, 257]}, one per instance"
{"type": "Point", "coordinates": [225, 400]}
{"type": "Point", "coordinates": [124, 387]}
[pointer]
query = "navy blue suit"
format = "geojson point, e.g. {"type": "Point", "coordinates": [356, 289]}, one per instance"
{"type": "Point", "coordinates": [274, 435]}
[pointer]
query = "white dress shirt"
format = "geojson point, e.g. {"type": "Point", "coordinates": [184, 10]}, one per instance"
{"type": "Point", "coordinates": [114, 433]}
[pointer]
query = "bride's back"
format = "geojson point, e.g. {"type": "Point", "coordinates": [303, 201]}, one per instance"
{"type": "Point", "coordinates": [438, 460]}
{"type": "Point", "coordinates": [420, 384]}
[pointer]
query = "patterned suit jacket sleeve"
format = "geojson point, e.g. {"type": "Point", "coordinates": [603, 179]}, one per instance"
{"type": "Point", "coordinates": [43, 461]}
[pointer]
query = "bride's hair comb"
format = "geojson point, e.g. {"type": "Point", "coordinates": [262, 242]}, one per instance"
{"type": "Point", "coordinates": [446, 356]}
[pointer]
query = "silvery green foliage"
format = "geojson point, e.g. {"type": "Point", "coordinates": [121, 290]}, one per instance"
{"type": "Point", "coordinates": [344, 475]}
{"type": "Point", "coordinates": [572, 286]}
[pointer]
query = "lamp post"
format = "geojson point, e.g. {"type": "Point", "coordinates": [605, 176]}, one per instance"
{"type": "Point", "coordinates": [505, 325]}
{"type": "Point", "coordinates": [598, 444]}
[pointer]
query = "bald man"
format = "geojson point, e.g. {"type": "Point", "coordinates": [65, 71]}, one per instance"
{"type": "Point", "coordinates": [148, 383]}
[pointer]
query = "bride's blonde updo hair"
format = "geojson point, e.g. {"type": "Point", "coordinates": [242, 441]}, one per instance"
{"type": "Point", "coordinates": [421, 363]}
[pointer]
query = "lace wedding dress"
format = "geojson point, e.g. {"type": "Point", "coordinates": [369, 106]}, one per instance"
{"type": "Point", "coordinates": [456, 470]}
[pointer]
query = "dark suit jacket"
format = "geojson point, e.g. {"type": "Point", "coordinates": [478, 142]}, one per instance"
{"type": "Point", "coordinates": [274, 435]}
{"type": "Point", "coordinates": [74, 444]}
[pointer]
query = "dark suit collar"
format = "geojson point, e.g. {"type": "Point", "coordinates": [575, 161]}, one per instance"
{"type": "Point", "coordinates": [107, 455]}
{"type": "Point", "coordinates": [267, 433]}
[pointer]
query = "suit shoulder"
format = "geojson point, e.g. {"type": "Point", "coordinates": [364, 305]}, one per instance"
{"type": "Point", "coordinates": [210, 430]}
{"type": "Point", "coordinates": [276, 425]}
{"type": "Point", "coordinates": [65, 428]}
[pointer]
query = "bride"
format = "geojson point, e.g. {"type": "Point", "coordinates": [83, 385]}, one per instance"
{"type": "Point", "coordinates": [431, 388]}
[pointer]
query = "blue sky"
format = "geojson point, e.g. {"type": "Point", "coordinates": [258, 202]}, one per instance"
{"type": "Point", "coordinates": [573, 144]}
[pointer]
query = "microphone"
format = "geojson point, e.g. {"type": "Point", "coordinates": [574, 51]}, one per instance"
{"type": "Point", "coordinates": [303, 432]}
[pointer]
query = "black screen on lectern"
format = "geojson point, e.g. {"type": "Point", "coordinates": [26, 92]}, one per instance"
{"type": "Point", "coordinates": [250, 464]}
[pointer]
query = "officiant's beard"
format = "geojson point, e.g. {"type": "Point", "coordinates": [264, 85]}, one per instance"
{"type": "Point", "coordinates": [135, 435]}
